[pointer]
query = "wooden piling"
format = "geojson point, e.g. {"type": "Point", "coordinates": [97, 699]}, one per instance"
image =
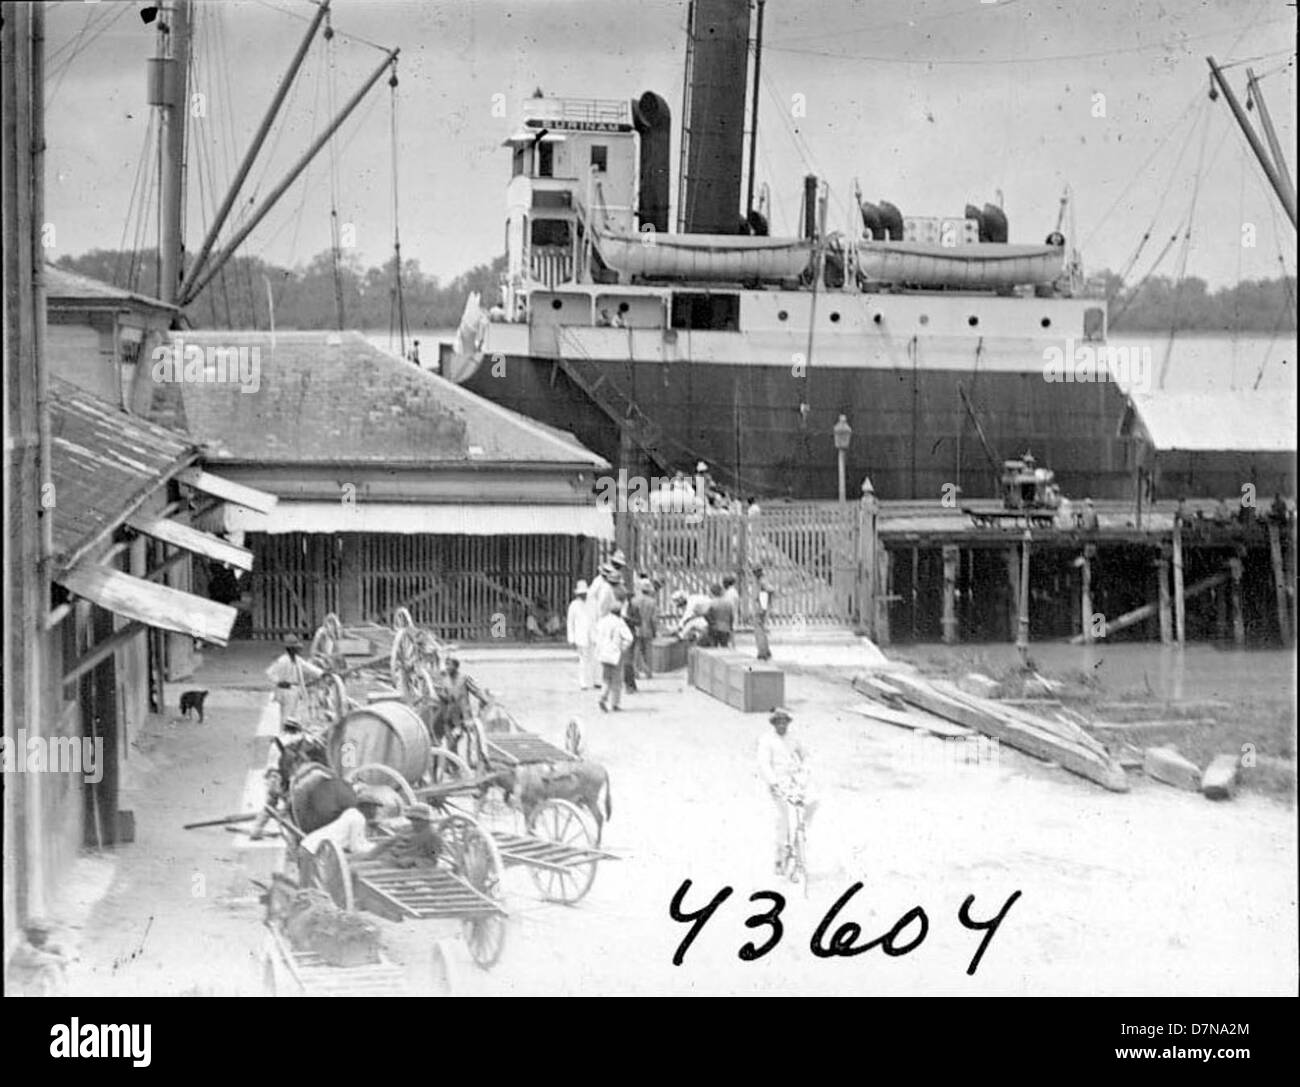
{"type": "Point", "coordinates": [1085, 596]}
{"type": "Point", "coordinates": [951, 564]}
{"type": "Point", "coordinates": [1238, 625]}
{"type": "Point", "coordinates": [1022, 624]}
{"type": "Point", "coordinates": [1013, 584]}
{"type": "Point", "coordinates": [1279, 583]}
{"type": "Point", "coordinates": [1180, 603]}
{"type": "Point", "coordinates": [1162, 581]}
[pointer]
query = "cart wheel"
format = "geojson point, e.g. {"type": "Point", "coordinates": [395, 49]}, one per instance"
{"type": "Point", "coordinates": [446, 765]}
{"type": "Point", "coordinates": [330, 872]}
{"type": "Point", "coordinates": [475, 858]}
{"type": "Point", "coordinates": [422, 684]}
{"type": "Point", "coordinates": [327, 636]}
{"type": "Point", "coordinates": [376, 773]}
{"type": "Point", "coordinates": [327, 699]}
{"type": "Point", "coordinates": [402, 619]}
{"type": "Point", "coordinates": [440, 977]}
{"type": "Point", "coordinates": [560, 822]}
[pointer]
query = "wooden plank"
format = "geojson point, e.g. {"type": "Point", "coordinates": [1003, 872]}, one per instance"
{"type": "Point", "coordinates": [149, 603]}
{"type": "Point", "coordinates": [1032, 740]}
{"type": "Point", "coordinates": [913, 719]}
{"type": "Point", "coordinates": [193, 540]}
{"type": "Point", "coordinates": [1137, 615]}
{"type": "Point", "coordinates": [219, 487]}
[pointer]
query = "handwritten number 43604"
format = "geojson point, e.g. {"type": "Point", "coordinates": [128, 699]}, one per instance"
{"type": "Point", "coordinates": [844, 941]}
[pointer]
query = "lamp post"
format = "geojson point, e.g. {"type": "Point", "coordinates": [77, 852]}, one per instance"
{"type": "Point", "coordinates": [843, 434]}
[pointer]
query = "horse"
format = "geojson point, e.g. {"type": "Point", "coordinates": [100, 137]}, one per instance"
{"type": "Point", "coordinates": [316, 794]}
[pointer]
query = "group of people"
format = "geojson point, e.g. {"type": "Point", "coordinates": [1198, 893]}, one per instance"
{"type": "Point", "coordinates": [613, 621]}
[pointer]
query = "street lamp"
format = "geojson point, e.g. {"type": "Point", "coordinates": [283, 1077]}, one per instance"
{"type": "Point", "coordinates": [843, 434]}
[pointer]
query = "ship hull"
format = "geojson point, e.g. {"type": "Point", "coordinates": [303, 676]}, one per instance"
{"type": "Point", "coordinates": [913, 435]}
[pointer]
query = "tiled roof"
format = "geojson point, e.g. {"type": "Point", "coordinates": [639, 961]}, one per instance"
{"type": "Point", "coordinates": [103, 462]}
{"type": "Point", "coordinates": [334, 398]}
{"type": "Point", "coordinates": [61, 284]}
{"type": "Point", "coordinates": [1248, 421]}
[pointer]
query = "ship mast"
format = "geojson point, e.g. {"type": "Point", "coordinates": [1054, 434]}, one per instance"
{"type": "Point", "coordinates": [753, 114]}
{"type": "Point", "coordinates": [172, 64]}
{"type": "Point", "coordinates": [1285, 194]}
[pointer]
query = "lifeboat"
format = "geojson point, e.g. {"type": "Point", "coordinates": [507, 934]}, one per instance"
{"type": "Point", "coordinates": [981, 265]}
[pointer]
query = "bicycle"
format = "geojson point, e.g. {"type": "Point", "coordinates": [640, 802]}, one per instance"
{"type": "Point", "coordinates": [796, 856]}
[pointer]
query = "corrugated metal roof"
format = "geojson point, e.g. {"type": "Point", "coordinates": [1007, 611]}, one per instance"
{"type": "Point", "coordinates": [103, 463]}
{"type": "Point", "coordinates": [1251, 421]}
{"type": "Point", "coordinates": [334, 398]}
{"type": "Point", "coordinates": [64, 285]}
{"type": "Point", "coordinates": [411, 518]}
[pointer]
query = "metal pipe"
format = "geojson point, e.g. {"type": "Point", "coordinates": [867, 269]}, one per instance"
{"type": "Point", "coordinates": [1288, 202]}
{"type": "Point", "coordinates": [1270, 134]}
{"type": "Point", "coordinates": [259, 138]}
{"type": "Point", "coordinates": [220, 260]}
{"type": "Point", "coordinates": [753, 112]}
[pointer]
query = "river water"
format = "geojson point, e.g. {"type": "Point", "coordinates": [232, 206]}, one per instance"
{"type": "Point", "coordinates": [1144, 670]}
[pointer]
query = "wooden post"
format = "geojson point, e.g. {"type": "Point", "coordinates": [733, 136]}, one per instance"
{"type": "Point", "coordinates": [1022, 625]}
{"type": "Point", "coordinates": [1162, 581]}
{"type": "Point", "coordinates": [350, 594]}
{"type": "Point", "coordinates": [885, 581]}
{"type": "Point", "coordinates": [1085, 595]}
{"type": "Point", "coordinates": [1238, 624]}
{"type": "Point", "coordinates": [1279, 583]}
{"type": "Point", "coordinates": [1221, 614]}
{"type": "Point", "coordinates": [951, 561]}
{"type": "Point", "coordinates": [867, 564]}
{"type": "Point", "coordinates": [1180, 604]}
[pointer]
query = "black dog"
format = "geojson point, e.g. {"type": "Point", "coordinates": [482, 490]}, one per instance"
{"type": "Point", "coordinates": [193, 700]}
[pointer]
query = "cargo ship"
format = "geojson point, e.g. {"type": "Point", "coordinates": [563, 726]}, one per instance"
{"type": "Point", "coordinates": [717, 342]}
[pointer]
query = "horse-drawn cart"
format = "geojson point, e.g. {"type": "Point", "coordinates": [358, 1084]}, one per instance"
{"type": "Point", "coordinates": [464, 884]}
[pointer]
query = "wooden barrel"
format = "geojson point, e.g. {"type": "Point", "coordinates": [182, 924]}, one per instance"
{"type": "Point", "coordinates": [389, 733]}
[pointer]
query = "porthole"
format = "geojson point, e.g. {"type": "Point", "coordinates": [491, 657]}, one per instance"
{"type": "Point", "coordinates": [782, 316]}
{"type": "Point", "coordinates": [835, 317]}
{"type": "Point", "coordinates": [622, 307]}
{"type": "Point", "coordinates": [924, 319]}
{"type": "Point", "coordinates": [1046, 322]}
{"type": "Point", "coordinates": [878, 318]}
{"type": "Point", "coordinates": [556, 304]}
{"type": "Point", "coordinates": [972, 320]}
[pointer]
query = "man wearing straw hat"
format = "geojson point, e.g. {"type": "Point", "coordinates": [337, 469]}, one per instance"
{"type": "Point", "coordinates": [291, 674]}
{"type": "Point", "coordinates": [580, 629]}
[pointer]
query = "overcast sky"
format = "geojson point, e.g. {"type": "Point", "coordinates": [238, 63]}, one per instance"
{"type": "Point", "coordinates": [928, 103]}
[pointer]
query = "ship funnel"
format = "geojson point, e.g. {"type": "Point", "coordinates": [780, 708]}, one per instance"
{"type": "Point", "coordinates": [891, 221]}
{"type": "Point", "coordinates": [654, 123]}
{"type": "Point", "coordinates": [713, 133]}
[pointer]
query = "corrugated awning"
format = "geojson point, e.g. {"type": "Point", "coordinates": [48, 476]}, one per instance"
{"type": "Point", "coordinates": [150, 603]}
{"type": "Point", "coordinates": [412, 519]}
{"type": "Point", "coordinates": [191, 539]}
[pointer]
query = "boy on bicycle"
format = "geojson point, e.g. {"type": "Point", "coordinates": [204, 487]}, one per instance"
{"type": "Point", "coordinates": [782, 759]}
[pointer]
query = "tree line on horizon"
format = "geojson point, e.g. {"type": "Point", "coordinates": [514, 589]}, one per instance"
{"type": "Point", "coordinates": [304, 296]}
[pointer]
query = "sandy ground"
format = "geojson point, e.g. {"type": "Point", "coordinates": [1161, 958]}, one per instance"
{"type": "Point", "coordinates": [1151, 892]}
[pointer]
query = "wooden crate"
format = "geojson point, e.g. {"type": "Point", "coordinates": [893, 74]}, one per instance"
{"type": "Point", "coordinates": [667, 655]}
{"type": "Point", "coordinates": [743, 683]}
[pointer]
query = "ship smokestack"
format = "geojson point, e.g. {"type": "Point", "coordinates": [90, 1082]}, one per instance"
{"type": "Point", "coordinates": [810, 207]}
{"type": "Point", "coordinates": [717, 61]}
{"type": "Point", "coordinates": [654, 122]}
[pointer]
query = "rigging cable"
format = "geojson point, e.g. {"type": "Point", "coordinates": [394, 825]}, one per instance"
{"type": "Point", "coordinates": [397, 311]}
{"type": "Point", "coordinates": [1187, 245]}
{"type": "Point", "coordinates": [335, 255]}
